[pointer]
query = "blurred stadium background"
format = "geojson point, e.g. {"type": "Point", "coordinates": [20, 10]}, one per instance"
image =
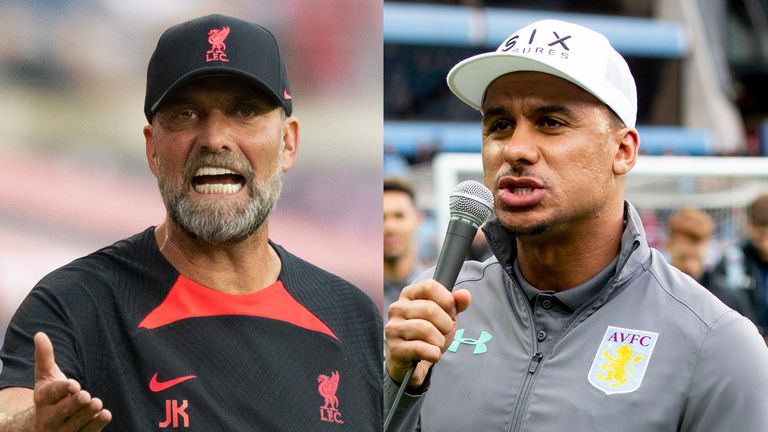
{"type": "Point", "coordinates": [74, 176]}
{"type": "Point", "coordinates": [701, 68]}
{"type": "Point", "coordinates": [72, 76]}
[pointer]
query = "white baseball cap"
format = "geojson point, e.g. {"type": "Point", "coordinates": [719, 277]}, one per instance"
{"type": "Point", "coordinates": [569, 51]}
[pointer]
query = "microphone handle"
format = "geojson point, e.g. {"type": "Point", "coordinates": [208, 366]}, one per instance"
{"type": "Point", "coordinates": [458, 239]}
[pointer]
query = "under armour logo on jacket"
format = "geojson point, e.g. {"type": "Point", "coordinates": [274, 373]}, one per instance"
{"type": "Point", "coordinates": [479, 343]}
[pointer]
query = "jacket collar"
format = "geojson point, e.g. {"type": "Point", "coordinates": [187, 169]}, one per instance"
{"type": "Point", "coordinates": [633, 254]}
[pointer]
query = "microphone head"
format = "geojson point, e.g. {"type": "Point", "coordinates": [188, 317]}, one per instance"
{"type": "Point", "coordinates": [471, 200]}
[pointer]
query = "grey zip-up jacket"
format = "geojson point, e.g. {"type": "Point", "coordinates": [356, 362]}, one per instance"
{"type": "Point", "coordinates": [652, 352]}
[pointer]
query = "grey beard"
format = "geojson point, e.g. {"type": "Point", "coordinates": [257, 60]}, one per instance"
{"type": "Point", "coordinates": [218, 223]}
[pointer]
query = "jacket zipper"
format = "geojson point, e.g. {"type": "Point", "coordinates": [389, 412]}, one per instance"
{"type": "Point", "coordinates": [533, 366]}
{"type": "Point", "coordinates": [537, 356]}
{"type": "Point", "coordinates": [522, 400]}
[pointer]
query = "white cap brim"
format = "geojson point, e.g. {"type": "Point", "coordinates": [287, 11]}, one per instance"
{"type": "Point", "coordinates": [470, 79]}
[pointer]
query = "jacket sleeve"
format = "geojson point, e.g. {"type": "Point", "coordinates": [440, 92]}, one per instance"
{"type": "Point", "coordinates": [406, 417]}
{"type": "Point", "coordinates": [729, 391]}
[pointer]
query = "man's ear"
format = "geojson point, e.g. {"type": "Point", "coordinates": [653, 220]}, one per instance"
{"type": "Point", "coordinates": [151, 149]}
{"type": "Point", "coordinates": [626, 152]}
{"type": "Point", "coordinates": [290, 142]}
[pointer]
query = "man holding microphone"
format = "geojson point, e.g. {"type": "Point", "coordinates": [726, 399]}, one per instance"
{"type": "Point", "coordinates": [574, 323]}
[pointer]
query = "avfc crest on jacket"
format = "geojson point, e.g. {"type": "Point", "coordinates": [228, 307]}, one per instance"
{"type": "Point", "coordinates": [622, 359]}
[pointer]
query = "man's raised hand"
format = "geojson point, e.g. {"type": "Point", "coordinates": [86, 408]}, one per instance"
{"type": "Point", "coordinates": [60, 403]}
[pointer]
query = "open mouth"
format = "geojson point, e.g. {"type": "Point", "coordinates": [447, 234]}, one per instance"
{"type": "Point", "coordinates": [215, 180]}
{"type": "Point", "coordinates": [520, 191]}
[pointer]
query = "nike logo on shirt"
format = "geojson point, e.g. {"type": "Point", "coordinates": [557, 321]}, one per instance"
{"type": "Point", "coordinates": [158, 386]}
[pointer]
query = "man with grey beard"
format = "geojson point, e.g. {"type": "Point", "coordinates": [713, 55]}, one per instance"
{"type": "Point", "coordinates": [202, 322]}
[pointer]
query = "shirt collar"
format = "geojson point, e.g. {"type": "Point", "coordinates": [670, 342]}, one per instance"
{"type": "Point", "coordinates": [573, 297]}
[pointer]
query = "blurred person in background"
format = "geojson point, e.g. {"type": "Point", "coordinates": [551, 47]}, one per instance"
{"type": "Point", "coordinates": [689, 236]}
{"type": "Point", "coordinates": [201, 322]}
{"type": "Point", "coordinates": [756, 257]}
{"type": "Point", "coordinates": [576, 323]}
{"type": "Point", "coordinates": [752, 261]}
{"type": "Point", "coordinates": [401, 254]}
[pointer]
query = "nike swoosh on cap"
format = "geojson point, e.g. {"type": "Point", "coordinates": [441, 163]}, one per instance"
{"type": "Point", "coordinates": [158, 386]}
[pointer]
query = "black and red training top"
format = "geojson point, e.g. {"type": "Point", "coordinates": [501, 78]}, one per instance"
{"type": "Point", "coordinates": [166, 353]}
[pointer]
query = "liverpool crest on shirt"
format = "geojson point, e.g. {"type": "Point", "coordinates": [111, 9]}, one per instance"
{"type": "Point", "coordinates": [622, 359]}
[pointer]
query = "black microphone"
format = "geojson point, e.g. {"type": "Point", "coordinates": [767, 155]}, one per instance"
{"type": "Point", "coordinates": [471, 203]}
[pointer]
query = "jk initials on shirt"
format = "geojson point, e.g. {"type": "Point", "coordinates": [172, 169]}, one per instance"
{"type": "Point", "coordinates": [479, 343]}
{"type": "Point", "coordinates": [172, 413]}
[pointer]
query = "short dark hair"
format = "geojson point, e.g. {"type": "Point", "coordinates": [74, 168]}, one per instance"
{"type": "Point", "coordinates": [758, 211]}
{"type": "Point", "coordinates": [400, 185]}
{"type": "Point", "coordinates": [695, 224]}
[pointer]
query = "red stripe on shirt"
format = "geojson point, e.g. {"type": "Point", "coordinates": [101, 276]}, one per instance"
{"type": "Point", "coordinates": [189, 299]}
